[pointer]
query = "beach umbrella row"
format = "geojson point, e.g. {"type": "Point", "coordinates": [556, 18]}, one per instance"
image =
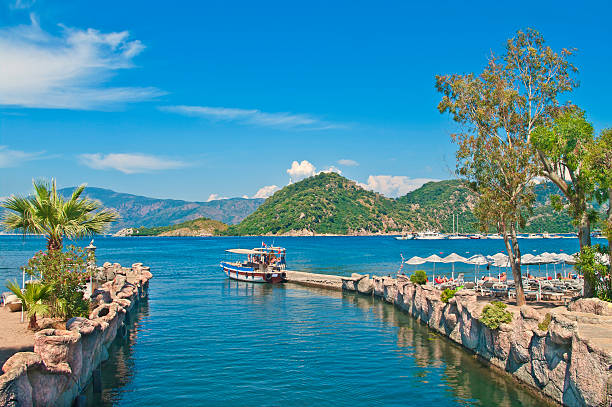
{"type": "Point", "coordinates": [498, 260]}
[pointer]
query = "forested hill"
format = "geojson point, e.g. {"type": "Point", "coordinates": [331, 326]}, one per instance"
{"type": "Point", "coordinates": [331, 204]}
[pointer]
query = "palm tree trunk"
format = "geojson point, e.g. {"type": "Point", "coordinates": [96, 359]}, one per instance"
{"type": "Point", "coordinates": [33, 325]}
{"type": "Point", "coordinates": [54, 243]}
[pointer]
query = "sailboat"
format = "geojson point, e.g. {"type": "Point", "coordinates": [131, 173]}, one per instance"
{"type": "Point", "coordinates": [455, 235]}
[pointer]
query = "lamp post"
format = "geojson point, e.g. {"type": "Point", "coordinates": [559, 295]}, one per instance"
{"type": "Point", "coordinates": [91, 264]}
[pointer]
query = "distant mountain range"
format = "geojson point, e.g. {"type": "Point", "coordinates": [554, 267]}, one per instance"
{"type": "Point", "coordinates": [331, 204]}
{"type": "Point", "coordinates": [324, 204]}
{"type": "Point", "coordinates": [137, 211]}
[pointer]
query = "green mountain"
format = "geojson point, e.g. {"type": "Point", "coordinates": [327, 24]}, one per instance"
{"type": "Point", "coordinates": [137, 211]}
{"type": "Point", "coordinates": [324, 204]}
{"type": "Point", "coordinates": [331, 204]}
{"type": "Point", "coordinates": [196, 227]}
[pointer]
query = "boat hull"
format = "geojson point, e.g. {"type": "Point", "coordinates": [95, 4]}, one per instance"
{"type": "Point", "coordinates": [252, 276]}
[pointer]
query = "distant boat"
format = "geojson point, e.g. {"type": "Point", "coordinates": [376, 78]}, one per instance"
{"type": "Point", "coordinates": [262, 265]}
{"type": "Point", "coordinates": [496, 236]}
{"type": "Point", "coordinates": [457, 237]}
{"type": "Point", "coordinates": [429, 235]}
{"type": "Point", "coordinates": [405, 236]}
{"type": "Point", "coordinates": [477, 236]}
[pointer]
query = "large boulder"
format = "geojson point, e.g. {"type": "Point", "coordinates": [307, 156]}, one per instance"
{"type": "Point", "coordinates": [592, 306]}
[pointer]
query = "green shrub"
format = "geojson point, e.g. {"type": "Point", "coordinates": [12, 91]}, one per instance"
{"type": "Point", "coordinates": [447, 294]}
{"type": "Point", "coordinates": [543, 326]}
{"type": "Point", "coordinates": [598, 274]}
{"type": "Point", "coordinates": [66, 273]}
{"type": "Point", "coordinates": [495, 314]}
{"type": "Point", "coordinates": [419, 277]}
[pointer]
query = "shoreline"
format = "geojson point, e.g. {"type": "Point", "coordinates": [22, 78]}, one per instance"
{"type": "Point", "coordinates": [65, 361]}
{"type": "Point", "coordinates": [567, 364]}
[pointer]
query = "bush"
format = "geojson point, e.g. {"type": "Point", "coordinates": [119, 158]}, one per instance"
{"type": "Point", "coordinates": [543, 326]}
{"type": "Point", "coordinates": [448, 293]}
{"type": "Point", "coordinates": [419, 277]}
{"type": "Point", "coordinates": [593, 270]}
{"type": "Point", "coordinates": [66, 273]}
{"type": "Point", "coordinates": [495, 314]}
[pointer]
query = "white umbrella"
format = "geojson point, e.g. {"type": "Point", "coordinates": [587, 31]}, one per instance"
{"type": "Point", "coordinates": [477, 260]}
{"type": "Point", "coordinates": [454, 258]}
{"type": "Point", "coordinates": [434, 258]}
{"type": "Point", "coordinates": [415, 260]}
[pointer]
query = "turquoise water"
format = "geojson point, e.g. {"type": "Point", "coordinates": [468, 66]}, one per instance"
{"type": "Point", "coordinates": [202, 339]}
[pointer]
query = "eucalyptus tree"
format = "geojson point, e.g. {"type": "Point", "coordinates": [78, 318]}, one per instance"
{"type": "Point", "coordinates": [51, 215]}
{"type": "Point", "coordinates": [498, 110]}
{"type": "Point", "coordinates": [599, 160]}
{"type": "Point", "coordinates": [562, 147]}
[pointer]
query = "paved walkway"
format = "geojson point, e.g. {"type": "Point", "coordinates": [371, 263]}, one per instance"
{"type": "Point", "coordinates": [14, 335]}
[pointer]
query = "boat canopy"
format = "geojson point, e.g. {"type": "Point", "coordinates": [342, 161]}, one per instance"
{"type": "Point", "coordinates": [243, 251]}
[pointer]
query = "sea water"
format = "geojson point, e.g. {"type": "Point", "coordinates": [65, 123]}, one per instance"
{"type": "Point", "coordinates": [201, 339]}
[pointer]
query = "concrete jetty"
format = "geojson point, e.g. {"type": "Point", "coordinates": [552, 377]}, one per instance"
{"type": "Point", "coordinates": [568, 360]}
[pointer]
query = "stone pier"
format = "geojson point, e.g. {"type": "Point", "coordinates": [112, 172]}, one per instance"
{"type": "Point", "coordinates": [569, 361]}
{"type": "Point", "coordinates": [64, 360]}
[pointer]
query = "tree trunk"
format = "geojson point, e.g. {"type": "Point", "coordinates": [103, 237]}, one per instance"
{"type": "Point", "coordinates": [584, 237]}
{"type": "Point", "coordinates": [514, 256]}
{"type": "Point", "coordinates": [608, 228]}
{"type": "Point", "coordinates": [584, 230]}
{"type": "Point", "coordinates": [54, 243]}
{"type": "Point", "coordinates": [33, 325]}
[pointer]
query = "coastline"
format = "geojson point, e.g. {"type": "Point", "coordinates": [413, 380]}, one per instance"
{"type": "Point", "coordinates": [567, 363]}
{"type": "Point", "coordinates": [64, 361]}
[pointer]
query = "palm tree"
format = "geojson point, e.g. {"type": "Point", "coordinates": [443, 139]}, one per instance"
{"type": "Point", "coordinates": [54, 217]}
{"type": "Point", "coordinates": [32, 299]}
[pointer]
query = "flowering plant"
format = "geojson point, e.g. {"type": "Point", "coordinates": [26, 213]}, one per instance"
{"type": "Point", "coordinates": [66, 273]}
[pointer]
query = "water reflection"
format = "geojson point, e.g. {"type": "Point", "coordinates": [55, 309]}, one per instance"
{"type": "Point", "coordinates": [118, 371]}
{"type": "Point", "coordinates": [468, 380]}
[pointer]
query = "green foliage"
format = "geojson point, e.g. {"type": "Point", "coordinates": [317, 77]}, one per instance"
{"type": "Point", "coordinates": [563, 146]}
{"type": "Point", "coordinates": [48, 213]}
{"type": "Point", "coordinates": [419, 277]}
{"type": "Point", "coordinates": [66, 274]}
{"type": "Point", "coordinates": [543, 326]}
{"type": "Point", "coordinates": [447, 294]}
{"type": "Point", "coordinates": [190, 227]}
{"type": "Point", "coordinates": [32, 299]}
{"type": "Point", "coordinates": [495, 314]}
{"type": "Point", "coordinates": [598, 274]}
{"type": "Point", "coordinates": [329, 203]}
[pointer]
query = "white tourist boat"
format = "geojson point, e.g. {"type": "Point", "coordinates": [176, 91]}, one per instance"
{"type": "Point", "coordinates": [405, 236]}
{"type": "Point", "coordinates": [457, 236]}
{"type": "Point", "coordinates": [429, 235]}
{"type": "Point", "coordinates": [261, 265]}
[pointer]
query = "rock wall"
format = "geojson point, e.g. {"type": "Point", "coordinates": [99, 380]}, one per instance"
{"type": "Point", "coordinates": [570, 361]}
{"type": "Point", "coordinates": [63, 360]}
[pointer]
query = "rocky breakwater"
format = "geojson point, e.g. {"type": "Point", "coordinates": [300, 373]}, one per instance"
{"type": "Point", "coordinates": [64, 360]}
{"type": "Point", "coordinates": [563, 352]}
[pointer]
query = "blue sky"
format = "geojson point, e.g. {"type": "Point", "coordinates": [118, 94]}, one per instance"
{"type": "Point", "coordinates": [218, 99]}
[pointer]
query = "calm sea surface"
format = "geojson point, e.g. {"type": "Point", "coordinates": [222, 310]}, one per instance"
{"type": "Point", "coordinates": [202, 339]}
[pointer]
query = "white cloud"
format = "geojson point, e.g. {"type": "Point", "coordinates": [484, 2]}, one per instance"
{"type": "Point", "coordinates": [348, 163]}
{"type": "Point", "coordinates": [215, 197]}
{"type": "Point", "coordinates": [128, 163]}
{"type": "Point", "coordinates": [394, 185]}
{"type": "Point", "coordinates": [12, 158]}
{"type": "Point", "coordinates": [331, 169]}
{"type": "Point", "coordinates": [68, 70]}
{"type": "Point", "coordinates": [253, 116]}
{"type": "Point", "coordinates": [266, 191]}
{"type": "Point", "coordinates": [299, 171]}
{"type": "Point", "coordinates": [22, 4]}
